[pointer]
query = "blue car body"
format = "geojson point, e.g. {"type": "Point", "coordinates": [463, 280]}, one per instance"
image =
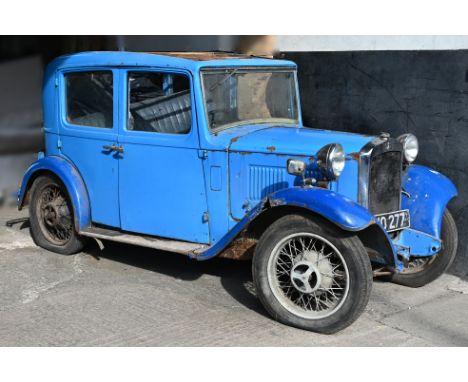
{"type": "Point", "coordinates": [207, 188]}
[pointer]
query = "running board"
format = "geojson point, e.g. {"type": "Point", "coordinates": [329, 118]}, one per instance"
{"type": "Point", "coordinates": [184, 247]}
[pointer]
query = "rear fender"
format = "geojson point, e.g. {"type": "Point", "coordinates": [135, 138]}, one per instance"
{"type": "Point", "coordinates": [72, 180]}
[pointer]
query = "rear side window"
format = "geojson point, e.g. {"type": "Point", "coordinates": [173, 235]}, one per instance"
{"type": "Point", "coordinates": [90, 98]}
{"type": "Point", "coordinates": [159, 103]}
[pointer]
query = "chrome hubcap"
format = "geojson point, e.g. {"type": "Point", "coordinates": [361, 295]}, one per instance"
{"type": "Point", "coordinates": [50, 215]}
{"type": "Point", "coordinates": [305, 277]}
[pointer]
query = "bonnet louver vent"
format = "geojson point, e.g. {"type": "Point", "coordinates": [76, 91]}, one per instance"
{"type": "Point", "coordinates": [264, 180]}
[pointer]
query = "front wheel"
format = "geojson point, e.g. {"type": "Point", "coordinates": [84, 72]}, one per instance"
{"type": "Point", "coordinates": [311, 275]}
{"type": "Point", "coordinates": [423, 270]}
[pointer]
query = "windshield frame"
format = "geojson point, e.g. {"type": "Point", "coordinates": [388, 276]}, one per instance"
{"type": "Point", "coordinates": [236, 69]}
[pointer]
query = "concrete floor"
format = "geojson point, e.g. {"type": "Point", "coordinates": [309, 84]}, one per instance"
{"type": "Point", "coordinates": [131, 296]}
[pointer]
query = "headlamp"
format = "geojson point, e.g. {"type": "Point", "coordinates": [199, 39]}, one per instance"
{"type": "Point", "coordinates": [410, 146]}
{"type": "Point", "coordinates": [331, 160]}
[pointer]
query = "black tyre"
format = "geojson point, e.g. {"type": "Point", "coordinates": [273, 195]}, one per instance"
{"type": "Point", "coordinates": [311, 275]}
{"type": "Point", "coordinates": [51, 217]}
{"type": "Point", "coordinates": [423, 270]}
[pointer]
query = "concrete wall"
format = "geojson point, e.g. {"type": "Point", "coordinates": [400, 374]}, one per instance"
{"type": "Point", "coordinates": [352, 43]}
{"type": "Point", "coordinates": [175, 43]}
{"type": "Point", "coordinates": [20, 121]}
{"type": "Point", "coordinates": [422, 92]}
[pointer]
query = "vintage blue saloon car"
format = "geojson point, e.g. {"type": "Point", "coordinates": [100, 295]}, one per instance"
{"type": "Point", "coordinates": [205, 154]}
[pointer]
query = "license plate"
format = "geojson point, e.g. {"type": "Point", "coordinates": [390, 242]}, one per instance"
{"type": "Point", "coordinates": [394, 221]}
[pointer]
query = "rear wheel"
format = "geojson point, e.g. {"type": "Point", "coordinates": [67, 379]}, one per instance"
{"type": "Point", "coordinates": [423, 270]}
{"type": "Point", "coordinates": [51, 217]}
{"type": "Point", "coordinates": [311, 275]}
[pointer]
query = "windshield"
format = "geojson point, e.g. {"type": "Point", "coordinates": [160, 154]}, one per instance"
{"type": "Point", "coordinates": [243, 96]}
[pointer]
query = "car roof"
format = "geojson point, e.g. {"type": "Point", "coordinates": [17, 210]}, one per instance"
{"type": "Point", "coordinates": [182, 60]}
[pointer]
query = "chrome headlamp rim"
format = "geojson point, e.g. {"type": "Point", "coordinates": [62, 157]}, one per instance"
{"type": "Point", "coordinates": [331, 160]}
{"type": "Point", "coordinates": [410, 145]}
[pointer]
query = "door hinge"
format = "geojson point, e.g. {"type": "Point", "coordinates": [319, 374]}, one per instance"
{"type": "Point", "coordinates": [59, 144]}
{"type": "Point", "coordinates": [56, 82]}
{"type": "Point", "coordinates": [202, 154]}
{"type": "Point", "coordinates": [205, 217]}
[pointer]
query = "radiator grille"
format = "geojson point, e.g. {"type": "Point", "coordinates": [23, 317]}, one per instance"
{"type": "Point", "coordinates": [385, 182]}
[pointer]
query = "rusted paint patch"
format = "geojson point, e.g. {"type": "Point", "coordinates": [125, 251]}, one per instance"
{"type": "Point", "coordinates": [271, 148]}
{"type": "Point", "coordinates": [354, 156]}
{"type": "Point", "coordinates": [282, 155]}
{"type": "Point", "coordinates": [240, 249]}
{"type": "Point", "coordinates": [206, 56]}
{"type": "Point", "coordinates": [234, 140]}
{"type": "Point", "coordinates": [322, 184]}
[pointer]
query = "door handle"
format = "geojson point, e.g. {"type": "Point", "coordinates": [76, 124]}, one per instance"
{"type": "Point", "coordinates": [114, 148]}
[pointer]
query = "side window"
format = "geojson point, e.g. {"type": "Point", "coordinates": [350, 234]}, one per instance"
{"type": "Point", "coordinates": [159, 102]}
{"type": "Point", "coordinates": [90, 100]}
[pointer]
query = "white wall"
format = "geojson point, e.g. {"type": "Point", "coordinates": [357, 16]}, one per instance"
{"type": "Point", "coordinates": [346, 43]}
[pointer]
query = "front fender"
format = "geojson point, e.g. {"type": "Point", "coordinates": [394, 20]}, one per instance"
{"type": "Point", "coordinates": [72, 180]}
{"type": "Point", "coordinates": [334, 207]}
{"type": "Point", "coordinates": [345, 213]}
{"type": "Point", "coordinates": [427, 195]}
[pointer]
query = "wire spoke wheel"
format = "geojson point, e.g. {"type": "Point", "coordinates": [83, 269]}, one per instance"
{"type": "Point", "coordinates": [422, 270]}
{"type": "Point", "coordinates": [308, 275]}
{"type": "Point", "coordinates": [418, 264]}
{"type": "Point", "coordinates": [54, 215]}
{"type": "Point", "coordinates": [311, 275]}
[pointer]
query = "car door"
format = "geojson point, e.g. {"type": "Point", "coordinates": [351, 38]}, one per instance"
{"type": "Point", "coordinates": [88, 126]}
{"type": "Point", "coordinates": [161, 181]}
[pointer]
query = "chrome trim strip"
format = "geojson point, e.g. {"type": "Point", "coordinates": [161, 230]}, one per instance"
{"type": "Point", "coordinates": [364, 171]}
{"type": "Point", "coordinates": [364, 166]}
